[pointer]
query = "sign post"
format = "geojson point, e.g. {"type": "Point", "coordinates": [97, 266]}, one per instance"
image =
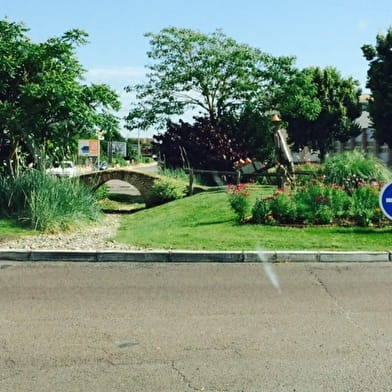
{"type": "Point", "coordinates": [385, 200]}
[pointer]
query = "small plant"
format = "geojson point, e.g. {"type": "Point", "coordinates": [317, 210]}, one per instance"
{"type": "Point", "coordinates": [239, 200]}
{"type": "Point", "coordinates": [365, 205]}
{"type": "Point", "coordinates": [102, 192]}
{"type": "Point", "coordinates": [165, 190]}
{"type": "Point", "coordinates": [283, 207]}
{"type": "Point", "coordinates": [261, 212]}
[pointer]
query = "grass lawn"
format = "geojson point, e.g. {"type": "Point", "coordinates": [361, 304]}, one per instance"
{"type": "Point", "coordinates": [206, 222]}
{"type": "Point", "coordinates": [12, 229]}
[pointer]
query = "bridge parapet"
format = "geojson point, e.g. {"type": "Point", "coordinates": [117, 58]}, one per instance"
{"type": "Point", "coordinates": [143, 182]}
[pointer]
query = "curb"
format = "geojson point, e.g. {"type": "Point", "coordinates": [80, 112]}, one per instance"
{"type": "Point", "coordinates": [193, 256]}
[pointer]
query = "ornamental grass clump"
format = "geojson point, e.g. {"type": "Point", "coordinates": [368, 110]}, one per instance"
{"type": "Point", "coordinates": [352, 168]}
{"type": "Point", "coordinates": [47, 203]}
{"type": "Point", "coordinates": [239, 200]}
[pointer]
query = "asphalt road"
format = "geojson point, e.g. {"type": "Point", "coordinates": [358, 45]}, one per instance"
{"type": "Point", "coordinates": [195, 327]}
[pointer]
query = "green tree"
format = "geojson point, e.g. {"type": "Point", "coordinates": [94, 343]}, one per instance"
{"type": "Point", "coordinates": [379, 81]}
{"type": "Point", "coordinates": [44, 107]}
{"type": "Point", "coordinates": [329, 111]}
{"type": "Point", "coordinates": [212, 73]}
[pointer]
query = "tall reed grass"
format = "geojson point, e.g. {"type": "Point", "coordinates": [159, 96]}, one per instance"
{"type": "Point", "coordinates": [351, 168]}
{"type": "Point", "coordinates": [47, 203]}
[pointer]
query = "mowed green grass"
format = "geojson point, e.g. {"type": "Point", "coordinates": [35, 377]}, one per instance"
{"type": "Point", "coordinates": [206, 222]}
{"type": "Point", "coordinates": [11, 229]}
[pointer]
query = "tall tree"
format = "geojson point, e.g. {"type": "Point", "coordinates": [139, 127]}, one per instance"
{"type": "Point", "coordinates": [44, 107]}
{"type": "Point", "coordinates": [379, 81]}
{"type": "Point", "coordinates": [212, 73]}
{"type": "Point", "coordinates": [336, 106]}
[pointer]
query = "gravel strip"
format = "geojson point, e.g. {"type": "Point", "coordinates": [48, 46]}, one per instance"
{"type": "Point", "coordinates": [94, 238]}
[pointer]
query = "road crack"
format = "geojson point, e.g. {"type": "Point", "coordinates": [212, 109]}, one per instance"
{"type": "Point", "coordinates": [184, 378]}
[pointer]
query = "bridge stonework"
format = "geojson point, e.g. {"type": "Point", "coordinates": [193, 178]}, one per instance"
{"type": "Point", "coordinates": [143, 182]}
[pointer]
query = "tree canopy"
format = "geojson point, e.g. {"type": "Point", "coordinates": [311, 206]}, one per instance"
{"type": "Point", "coordinates": [379, 81]}
{"type": "Point", "coordinates": [337, 100]}
{"type": "Point", "coordinates": [44, 107]}
{"type": "Point", "coordinates": [211, 73]}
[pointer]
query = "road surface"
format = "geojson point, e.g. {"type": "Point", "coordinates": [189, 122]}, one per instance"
{"type": "Point", "coordinates": [195, 327]}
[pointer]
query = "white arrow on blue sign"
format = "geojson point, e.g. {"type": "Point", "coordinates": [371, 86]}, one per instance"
{"type": "Point", "coordinates": [385, 200]}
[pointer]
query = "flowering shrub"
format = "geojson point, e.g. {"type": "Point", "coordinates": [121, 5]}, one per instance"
{"type": "Point", "coordinates": [320, 203]}
{"type": "Point", "coordinates": [239, 200]}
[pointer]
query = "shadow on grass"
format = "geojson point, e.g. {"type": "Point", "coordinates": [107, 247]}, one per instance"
{"type": "Point", "coordinates": [364, 230]}
{"type": "Point", "coordinates": [212, 222]}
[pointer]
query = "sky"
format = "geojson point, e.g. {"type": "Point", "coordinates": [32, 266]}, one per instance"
{"type": "Point", "coordinates": [317, 32]}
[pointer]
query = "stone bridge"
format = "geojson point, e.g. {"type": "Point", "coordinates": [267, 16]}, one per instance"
{"type": "Point", "coordinates": [140, 180]}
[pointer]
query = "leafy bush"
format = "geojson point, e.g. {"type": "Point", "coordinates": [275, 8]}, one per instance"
{"type": "Point", "coordinates": [261, 212]}
{"type": "Point", "coordinates": [365, 205]}
{"type": "Point", "coordinates": [46, 203]}
{"type": "Point", "coordinates": [353, 168]}
{"type": "Point", "coordinates": [239, 200]}
{"type": "Point", "coordinates": [283, 207]}
{"type": "Point", "coordinates": [165, 190]}
{"type": "Point", "coordinates": [320, 203]}
{"type": "Point", "coordinates": [102, 192]}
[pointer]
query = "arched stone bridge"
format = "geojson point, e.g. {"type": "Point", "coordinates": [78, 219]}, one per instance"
{"type": "Point", "coordinates": [140, 180]}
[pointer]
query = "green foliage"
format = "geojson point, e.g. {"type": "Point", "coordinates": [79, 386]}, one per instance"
{"type": "Point", "coordinates": [319, 203]}
{"type": "Point", "coordinates": [44, 108]}
{"type": "Point", "coordinates": [102, 192]}
{"type": "Point", "coordinates": [46, 203]}
{"type": "Point", "coordinates": [282, 207]}
{"type": "Point", "coordinates": [338, 107]}
{"type": "Point", "coordinates": [261, 212]}
{"type": "Point", "coordinates": [239, 201]}
{"type": "Point", "coordinates": [379, 82]}
{"type": "Point", "coordinates": [352, 168]}
{"type": "Point", "coordinates": [213, 73]}
{"type": "Point", "coordinates": [252, 132]}
{"type": "Point", "coordinates": [364, 207]}
{"type": "Point", "coordinates": [165, 190]}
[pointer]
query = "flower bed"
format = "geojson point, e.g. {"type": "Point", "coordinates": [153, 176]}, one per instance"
{"type": "Point", "coordinates": [323, 204]}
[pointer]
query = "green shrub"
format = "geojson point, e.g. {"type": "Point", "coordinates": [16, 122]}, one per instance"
{"type": "Point", "coordinates": [261, 211]}
{"type": "Point", "coordinates": [320, 203]}
{"type": "Point", "coordinates": [364, 207]}
{"type": "Point", "coordinates": [352, 168]}
{"type": "Point", "coordinates": [102, 192]}
{"type": "Point", "coordinates": [283, 208]}
{"type": "Point", "coordinates": [165, 190]}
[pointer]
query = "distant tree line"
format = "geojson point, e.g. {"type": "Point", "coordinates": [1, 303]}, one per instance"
{"type": "Point", "coordinates": [235, 88]}
{"type": "Point", "coordinates": [232, 88]}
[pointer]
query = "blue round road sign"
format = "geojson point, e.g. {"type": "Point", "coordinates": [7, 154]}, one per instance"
{"type": "Point", "coordinates": [385, 200]}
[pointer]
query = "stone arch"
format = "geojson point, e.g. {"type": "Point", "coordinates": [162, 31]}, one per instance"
{"type": "Point", "coordinates": [143, 182]}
